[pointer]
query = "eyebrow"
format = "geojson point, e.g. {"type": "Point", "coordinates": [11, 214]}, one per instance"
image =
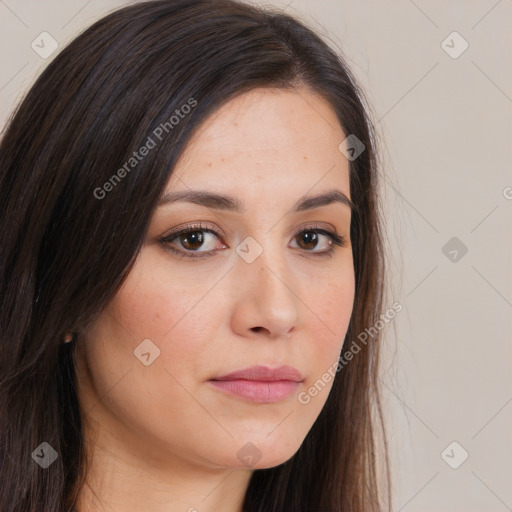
{"type": "Point", "coordinates": [233, 204]}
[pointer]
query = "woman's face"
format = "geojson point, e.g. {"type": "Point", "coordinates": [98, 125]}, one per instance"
{"type": "Point", "coordinates": [262, 286]}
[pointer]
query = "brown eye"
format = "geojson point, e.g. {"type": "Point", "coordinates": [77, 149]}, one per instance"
{"type": "Point", "coordinates": [193, 241]}
{"type": "Point", "coordinates": [308, 240]}
{"type": "Point", "coordinates": [311, 239]}
{"type": "Point", "coordinates": [198, 241]}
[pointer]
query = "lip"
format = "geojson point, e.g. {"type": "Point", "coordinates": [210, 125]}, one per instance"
{"type": "Point", "coordinates": [260, 384]}
{"type": "Point", "coordinates": [264, 373]}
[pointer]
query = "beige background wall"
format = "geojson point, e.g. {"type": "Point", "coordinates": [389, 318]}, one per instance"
{"type": "Point", "coordinates": [445, 121]}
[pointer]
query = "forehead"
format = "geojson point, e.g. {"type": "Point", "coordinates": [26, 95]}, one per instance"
{"type": "Point", "coordinates": [272, 139]}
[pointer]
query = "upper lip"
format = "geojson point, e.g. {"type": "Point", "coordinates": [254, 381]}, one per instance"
{"type": "Point", "coordinates": [264, 373]}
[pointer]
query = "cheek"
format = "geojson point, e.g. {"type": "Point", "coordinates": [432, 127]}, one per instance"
{"type": "Point", "coordinates": [331, 311]}
{"type": "Point", "coordinates": [157, 303]}
{"type": "Point", "coordinates": [146, 398]}
{"type": "Point", "coordinates": [180, 316]}
{"type": "Point", "coordinates": [334, 304]}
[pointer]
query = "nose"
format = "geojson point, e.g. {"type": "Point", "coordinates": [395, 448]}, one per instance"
{"type": "Point", "coordinates": [265, 302]}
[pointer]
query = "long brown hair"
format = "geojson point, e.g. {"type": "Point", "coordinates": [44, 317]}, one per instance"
{"type": "Point", "coordinates": [66, 248]}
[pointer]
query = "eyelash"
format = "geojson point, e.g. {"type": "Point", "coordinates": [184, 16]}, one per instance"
{"type": "Point", "coordinates": [335, 239]}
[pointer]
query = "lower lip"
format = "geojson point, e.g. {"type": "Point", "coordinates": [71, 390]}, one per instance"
{"type": "Point", "coordinates": [256, 390]}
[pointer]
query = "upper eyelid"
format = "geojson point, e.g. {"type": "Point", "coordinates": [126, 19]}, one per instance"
{"type": "Point", "coordinates": [205, 226]}
{"type": "Point", "coordinates": [199, 226]}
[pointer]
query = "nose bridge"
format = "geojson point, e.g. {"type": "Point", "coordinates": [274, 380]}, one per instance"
{"type": "Point", "coordinates": [265, 286]}
{"type": "Point", "coordinates": [267, 260]}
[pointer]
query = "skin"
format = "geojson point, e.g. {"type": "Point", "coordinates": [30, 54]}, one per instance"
{"type": "Point", "coordinates": [160, 437]}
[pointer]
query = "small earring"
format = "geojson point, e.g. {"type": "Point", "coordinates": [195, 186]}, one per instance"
{"type": "Point", "coordinates": [68, 337]}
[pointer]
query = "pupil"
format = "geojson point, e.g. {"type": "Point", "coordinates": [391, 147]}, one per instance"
{"type": "Point", "coordinates": [193, 238]}
{"type": "Point", "coordinates": [310, 238]}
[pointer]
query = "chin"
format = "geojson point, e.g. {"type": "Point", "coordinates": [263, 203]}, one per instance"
{"type": "Point", "coordinates": [265, 453]}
